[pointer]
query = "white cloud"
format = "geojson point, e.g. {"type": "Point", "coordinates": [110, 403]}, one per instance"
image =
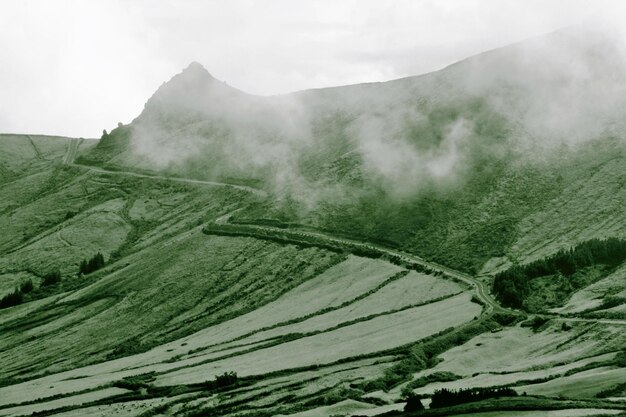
{"type": "Point", "coordinates": [76, 67]}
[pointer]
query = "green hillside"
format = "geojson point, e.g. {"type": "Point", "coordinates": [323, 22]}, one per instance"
{"type": "Point", "coordinates": [339, 251]}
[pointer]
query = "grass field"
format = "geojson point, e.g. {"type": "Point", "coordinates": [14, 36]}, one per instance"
{"type": "Point", "coordinates": [63, 402]}
{"type": "Point", "coordinates": [355, 287]}
{"type": "Point", "coordinates": [409, 290]}
{"type": "Point", "coordinates": [572, 412]}
{"type": "Point", "coordinates": [491, 352]}
{"type": "Point", "coordinates": [579, 385]}
{"type": "Point", "coordinates": [305, 328]}
{"type": "Point", "coordinates": [573, 362]}
{"type": "Point", "coordinates": [378, 334]}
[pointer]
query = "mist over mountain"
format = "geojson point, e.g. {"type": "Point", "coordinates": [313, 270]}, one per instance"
{"type": "Point", "coordinates": [564, 87]}
{"type": "Point", "coordinates": [404, 160]}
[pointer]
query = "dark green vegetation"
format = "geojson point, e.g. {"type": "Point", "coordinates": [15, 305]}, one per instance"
{"type": "Point", "coordinates": [135, 383]}
{"type": "Point", "coordinates": [434, 220]}
{"type": "Point", "coordinates": [91, 265]}
{"type": "Point", "coordinates": [447, 398]}
{"type": "Point", "coordinates": [51, 278]}
{"type": "Point", "coordinates": [617, 391]}
{"type": "Point", "coordinates": [12, 299]}
{"type": "Point", "coordinates": [550, 281]}
{"type": "Point", "coordinates": [413, 403]}
{"type": "Point", "coordinates": [17, 296]}
{"type": "Point", "coordinates": [227, 379]}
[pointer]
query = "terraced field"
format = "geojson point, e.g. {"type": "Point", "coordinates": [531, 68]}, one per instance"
{"type": "Point", "coordinates": [310, 329]}
{"type": "Point", "coordinates": [196, 358]}
{"type": "Point", "coordinates": [577, 362]}
{"type": "Point", "coordinates": [247, 305]}
{"type": "Point", "coordinates": [571, 412]}
{"type": "Point", "coordinates": [587, 383]}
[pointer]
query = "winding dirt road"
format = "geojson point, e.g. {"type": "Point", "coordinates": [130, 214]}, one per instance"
{"type": "Point", "coordinates": [480, 288]}
{"type": "Point", "coordinates": [251, 190]}
{"type": "Point", "coordinates": [70, 156]}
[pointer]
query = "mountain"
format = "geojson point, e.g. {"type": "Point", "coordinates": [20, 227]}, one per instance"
{"type": "Point", "coordinates": [338, 251]}
{"type": "Point", "coordinates": [436, 164]}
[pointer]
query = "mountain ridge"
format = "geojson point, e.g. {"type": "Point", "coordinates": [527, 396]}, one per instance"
{"type": "Point", "coordinates": [468, 135]}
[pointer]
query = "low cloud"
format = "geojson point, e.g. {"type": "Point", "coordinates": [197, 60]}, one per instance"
{"type": "Point", "coordinates": [402, 136]}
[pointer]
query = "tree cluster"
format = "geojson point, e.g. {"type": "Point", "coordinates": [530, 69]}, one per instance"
{"type": "Point", "coordinates": [512, 286]}
{"type": "Point", "coordinates": [51, 278]}
{"type": "Point", "coordinates": [17, 296]}
{"type": "Point", "coordinates": [413, 403]}
{"type": "Point", "coordinates": [12, 299]}
{"type": "Point", "coordinates": [91, 265]}
{"type": "Point", "coordinates": [447, 398]}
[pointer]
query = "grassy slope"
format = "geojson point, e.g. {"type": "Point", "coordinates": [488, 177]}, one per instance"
{"type": "Point", "coordinates": [173, 281]}
{"type": "Point", "coordinates": [163, 272]}
{"type": "Point", "coordinates": [492, 352]}
{"type": "Point", "coordinates": [378, 334]}
{"type": "Point", "coordinates": [155, 290]}
{"type": "Point", "coordinates": [21, 152]}
{"type": "Point", "coordinates": [590, 205]}
{"type": "Point", "coordinates": [502, 213]}
{"type": "Point", "coordinates": [592, 296]}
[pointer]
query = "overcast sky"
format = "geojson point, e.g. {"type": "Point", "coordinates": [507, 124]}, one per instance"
{"type": "Point", "coordinates": [77, 67]}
